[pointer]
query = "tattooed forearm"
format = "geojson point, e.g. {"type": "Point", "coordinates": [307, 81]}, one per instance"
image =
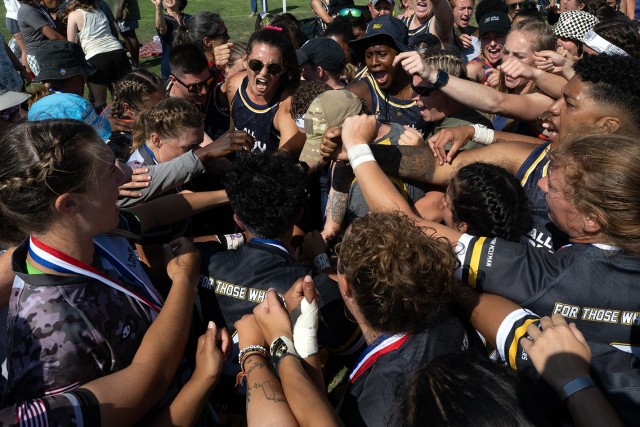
{"type": "Point", "coordinates": [272, 391]}
{"type": "Point", "coordinates": [337, 206]}
{"type": "Point", "coordinates": [414, 163]}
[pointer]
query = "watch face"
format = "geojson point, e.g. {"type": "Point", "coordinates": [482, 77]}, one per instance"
{"type": "Point", "coordinates": [279, 348]}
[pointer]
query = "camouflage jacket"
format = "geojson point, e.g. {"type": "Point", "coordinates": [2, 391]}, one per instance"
{"type": "Point", "coordinates": [64, 331]}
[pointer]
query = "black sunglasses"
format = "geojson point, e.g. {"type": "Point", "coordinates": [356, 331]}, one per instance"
{"type": "Point", "coordinates": [196, 87]}
{"type": "Point", "coordinates": [521, 4]}
{"type": "Point", "coordinates": [422, 90]}
{"type": "Point", "coordinates": [257, 66]}
{"type": "Point", "coordinates": [356, 13]}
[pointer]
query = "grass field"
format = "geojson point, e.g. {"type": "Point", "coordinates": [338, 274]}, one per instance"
{"type": "Point", "coordinates": [234, 12]}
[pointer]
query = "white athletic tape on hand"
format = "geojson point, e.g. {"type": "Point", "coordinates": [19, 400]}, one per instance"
{"type": "Point", "coordinates": [305, 329]}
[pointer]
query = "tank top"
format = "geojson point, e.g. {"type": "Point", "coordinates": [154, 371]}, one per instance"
{"type": "Point", "coordinates": [95, 36]}
{"type": "Point", "coordinates": [256, 119]}
{"type": "Point", "coordinates": [424, 28]}
{"type": "Point", "coordinates": [389, 109]}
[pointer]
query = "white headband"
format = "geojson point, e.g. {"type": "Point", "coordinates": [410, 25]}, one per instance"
{"type": "Point", "coordinates": [600, 45]}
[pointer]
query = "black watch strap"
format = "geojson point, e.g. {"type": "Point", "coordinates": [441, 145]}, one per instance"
{"type": "Point", "coordinates": [441, 80]}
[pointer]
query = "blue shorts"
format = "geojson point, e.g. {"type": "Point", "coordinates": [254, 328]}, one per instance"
{"type": "Point", "coordinates": [126, 26]}
{"type": "Point", "coordinates": [12, 25]}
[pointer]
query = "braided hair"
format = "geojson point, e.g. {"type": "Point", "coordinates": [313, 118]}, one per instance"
{"type": "Point", "coordinates": [134, 89]}
{"type": "Point", "coordinates": [39, 161]}
{"type": "Point", "coordinates": [168, 119]}
{"type": "Point", "coordinates": [490, 201]}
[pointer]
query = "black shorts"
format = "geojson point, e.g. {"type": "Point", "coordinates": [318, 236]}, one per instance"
{"type": "Point", "coordinates": [110, 67]}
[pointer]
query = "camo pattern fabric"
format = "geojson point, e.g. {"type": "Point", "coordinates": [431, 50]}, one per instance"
{"type": "Point", "coordinates": [64, 331]}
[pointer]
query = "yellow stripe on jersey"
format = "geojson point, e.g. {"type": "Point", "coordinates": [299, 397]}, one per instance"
{"type": "Point", "coordinates": [517, 334]}
{"type": "Point", "coordinates": [474, 265]}
{"type": "Point", "coordinates": [385, 97]}
{"type": "Point", "coordinates": [533, 165]}
{"type": "Point", "coordinates": [255, 110]}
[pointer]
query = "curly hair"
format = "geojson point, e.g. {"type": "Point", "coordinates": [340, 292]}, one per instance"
{"type": "Point", "coordinates": [402, 279]}
{"type": "Point", "coordinates": [134, 89]}
{"type": "Point", "coordinates": [168, 119]}
{"type": "Point", "coordinates": [267, 192]}
{"type": "Point", "coordinates": [598, 8]}
{"type": "Point", "coordinates": [602, 174]}
{"type": "Point", "coordinates": [304, 96]}
{"type": "Point", "coordinates": [615, 81]}
{"type": "Point", "coordinates": [621, 32]}
{"type": "Point", "coordinates": [490, 201]}
{"type": "Point", "coordinates": [38, 162]}
{"type": "Point", "coordinates": [277, 39]}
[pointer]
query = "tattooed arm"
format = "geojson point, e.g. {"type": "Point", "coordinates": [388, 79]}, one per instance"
{"type": "Point", "coordinates": [266, 404]}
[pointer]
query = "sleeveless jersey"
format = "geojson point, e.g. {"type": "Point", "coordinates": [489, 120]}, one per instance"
{"type": "Point", "coordinates": [424, 28]}
{"type": "Point", "coordinates": [256, 120]}
{"type": "Point", "coordinates": [393, 110]}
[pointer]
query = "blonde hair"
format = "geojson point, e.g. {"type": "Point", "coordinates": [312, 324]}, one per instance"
{"type": "Point", "coordinates": [602, 173]}
{"type": "Point", "coordinates": [168, 119]}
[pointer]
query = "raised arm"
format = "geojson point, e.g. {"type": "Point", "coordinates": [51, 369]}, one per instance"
{"type": "Point", "coordinates": [476, 95]}
{"type": "Point", "coordinates": [549, 83]}
{"type": "Point", "coordinates": [161, 25]}
{"type": "Point", "coordinates": [443, 21]}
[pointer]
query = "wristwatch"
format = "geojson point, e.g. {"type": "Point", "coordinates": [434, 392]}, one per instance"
{"type": "Point", "coordinates": [280, 348]}
{"type": "Point", "coordinates": [442, 78]}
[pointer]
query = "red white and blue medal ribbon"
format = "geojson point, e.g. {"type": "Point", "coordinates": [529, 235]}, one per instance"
{"type": "Point", "coordinates": [51, 258]}
{"type": "Point", "coordinates": [380, 347]}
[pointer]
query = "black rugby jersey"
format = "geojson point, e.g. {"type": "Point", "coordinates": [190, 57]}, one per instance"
{"type": "Point", "coordinates": [595, 286]}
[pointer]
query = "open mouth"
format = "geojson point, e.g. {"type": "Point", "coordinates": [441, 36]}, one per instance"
{"type": "Point", "coordinates": [261, 84]}
{"type": "Point", "coordinates": [382, 77]}
{"type": "Point", "coordinates": [421, 7]}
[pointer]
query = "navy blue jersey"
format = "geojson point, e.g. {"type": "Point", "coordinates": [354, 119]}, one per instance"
{"type": "Point", "coordinates": [422, 29]}
{"type": "Point", "coordinates": [544, 234]}
{"type": "Point", "coordinates": [389, 109]}
{"type": "Point", "coordinates": [595, 286]}
{"type": "Point", "coordinates": [256, 120]}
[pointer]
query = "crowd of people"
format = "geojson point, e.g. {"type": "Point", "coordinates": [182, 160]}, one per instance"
{"type": "Point", "coordinates": [439, 223]}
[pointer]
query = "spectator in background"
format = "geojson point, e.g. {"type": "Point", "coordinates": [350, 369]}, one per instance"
{"type": "Point", "coordinates": [254, 8]}
{"type": "Point", "coordinates": [381, 7]}
{"type": "Point", "coordinates": [88, 26]}
{"type": "Point", "coordinates": [11, 20]}
{"type": "Point", "coordinates": [570, 31]}
{"type": "Point", "coordinates": [127, 14]}
{"type": "Point", "coordinates": [167, 25]}
{"type": "Point", "coordinates": [36, 26]}
{"type": "Point", "coordinates": [207, 31]}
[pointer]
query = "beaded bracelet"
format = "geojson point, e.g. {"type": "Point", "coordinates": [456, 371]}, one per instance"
{"type": "Point", "coordinates": [251, 348]}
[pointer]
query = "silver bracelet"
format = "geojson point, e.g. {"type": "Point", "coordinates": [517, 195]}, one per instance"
{"type": "Point", "coordinates": [574, 386]}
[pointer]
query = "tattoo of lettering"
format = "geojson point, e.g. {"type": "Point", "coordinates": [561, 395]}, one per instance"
{"type": "Point", "coordinates": [255, 365]}
{"type": "Point", "coordinates": [413, 163]}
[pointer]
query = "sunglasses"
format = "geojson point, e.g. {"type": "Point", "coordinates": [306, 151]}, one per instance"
{"type": "Point", "coordinates": [422, 90]}
{"type": "Point", "coordinates": [224, 35]}
{"type": "Point", "coordinates": [256, 66]}
{"type": "Point", "coordinates": [196, 87]}
{"type": "Point", "coordinates": [356, 13]}
{"type": "Point", "coordinates": [521, 5]}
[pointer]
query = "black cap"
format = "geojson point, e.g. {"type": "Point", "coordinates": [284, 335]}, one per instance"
{"type": "Point", "coordinates": [61, 60]}
{"type": "Point", "coordinates": [324, 52]}
{"type": "Point", "coordinates": [498, 22]}
{"type": "Point", "coordinates": [389, 30]}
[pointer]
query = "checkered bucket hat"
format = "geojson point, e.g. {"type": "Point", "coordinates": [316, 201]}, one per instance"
{"type": "Point", "coordinates": [574, 24]}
